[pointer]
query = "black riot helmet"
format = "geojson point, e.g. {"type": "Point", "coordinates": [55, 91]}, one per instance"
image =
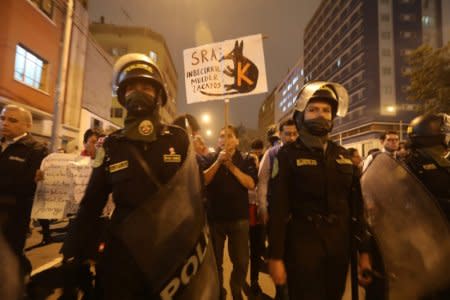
{"type": "Point", "coordinates": [333, 93]}
{"type": "Point", "coordinates": [137, 66]}
{"type": "Point", "coordinates": [428, 130]}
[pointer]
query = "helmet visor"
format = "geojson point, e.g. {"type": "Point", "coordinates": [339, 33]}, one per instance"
{"type": "Point", "coordinates": [311, 88]}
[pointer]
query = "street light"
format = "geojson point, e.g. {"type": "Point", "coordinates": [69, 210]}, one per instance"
{"type": "Point", "coordinates": [206, 118]}
{"type": "Point", "coordinates": [390, 109]}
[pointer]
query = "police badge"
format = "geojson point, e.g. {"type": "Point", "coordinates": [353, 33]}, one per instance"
{"type": "Point", "coordinates": [145, 127]}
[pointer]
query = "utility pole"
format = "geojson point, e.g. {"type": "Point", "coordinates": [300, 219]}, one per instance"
{"type": "Point", "coordinates": [61, 83]}
{"type": "Point", "coordinates": [401, 130]}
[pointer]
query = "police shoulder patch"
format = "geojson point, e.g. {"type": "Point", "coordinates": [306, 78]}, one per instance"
{"type": "Point", "coordinates": [429, 167]}
{"type": "Point", "coordinates": [99, 157]}
{"type": "Point", "coordinates": [172, 158]}
{"type": "Point", "coordinates": [118, 166]}
{"type": "Point", "coordinates": [306, 162]}
{"type": "Point", "coordinates": [343, 161]}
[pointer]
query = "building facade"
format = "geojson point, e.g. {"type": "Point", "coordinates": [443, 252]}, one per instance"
{"type": "Point", "coordinates": [287, 91]}
{"type": "Point", "coordinates": [362, 44]}
{"type": "Point", "coordinates": [445, 21]}
{"type": "Point", "coordinates": [280, 103]}
{"type": "Point", "coordinates": [119, 40]}
{"type": "Point", "coordinates": [266, 113]}
{"type": "Point", "coordinates": [30, 58]}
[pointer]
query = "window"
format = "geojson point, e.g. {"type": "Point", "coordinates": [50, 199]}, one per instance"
{"type": "Point", "coordinates": [386, 70]}
{"type": "Point", "coordinates": [388, 90]}
{"type": "Point", "coordinates": [385, 35]}
{"type": "Point", "coordinates": [406, 70]}
{"type": "Point", "coordinates": [405, 52]}
{"type": "Point", "coordinates": [96, 123]}
{"type": "Point", "coordinates": [385, 52]}
{"type": "Point", "coordinates": [405, 88]}
{"type": "Point", "coordinates": [29, 68]}
{"type": "Point", "coordinates": [117, 112]}
{"type": "Point", "coordinates": [407, 17]}
{"type": "Point", "coordinates": [407, 34]}
{"type": "Point", "coordinates": [385, 17]}
{"type": "Point", "coordinates": [427, 20]}
{"type": "Point", "coordinates": [46, 6]}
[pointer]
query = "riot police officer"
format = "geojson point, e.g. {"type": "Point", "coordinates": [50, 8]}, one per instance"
{"type": "Point", "coordinates": [427, 161]}
{"type": "Point", "coordinates": [158, 246]}
{"type": "Point", "coordinates": [309, 234]}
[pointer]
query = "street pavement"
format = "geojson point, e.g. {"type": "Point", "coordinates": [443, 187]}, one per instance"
{"type": "Point", "coordinates": [45, 257]}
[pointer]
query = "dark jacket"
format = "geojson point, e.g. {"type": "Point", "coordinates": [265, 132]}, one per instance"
{"type": "Point", "coordinates": [434, 173]}
{"type": "Point", "coordinates": [120, 172]}
{"type": "Point", "coordinates": [18, 165]}
{"type": "Point", "coordinates": [227, 198]}
{"type": "Point", "coordinates": [313, 189]}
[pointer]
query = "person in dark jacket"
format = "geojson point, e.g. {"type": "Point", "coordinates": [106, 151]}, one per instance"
{"type": "Point", "coordinates": [309, 232]}
{"type": "Point", "coordinates": [20, 158]}
{"type": "Point", "coordinates": [229, 175]}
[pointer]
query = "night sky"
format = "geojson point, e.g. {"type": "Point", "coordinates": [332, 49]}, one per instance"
{"type": "Point", "coordinates": [190, 23]}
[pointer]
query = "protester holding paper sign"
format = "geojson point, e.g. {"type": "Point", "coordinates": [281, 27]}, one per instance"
{"type": "Point", "coordinates": [20, 158]}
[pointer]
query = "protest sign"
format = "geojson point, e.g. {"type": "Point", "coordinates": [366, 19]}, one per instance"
{"type": "Point", "coordinates": [60, 192]}
{"type": "Point", "coordinates": [225, 70]}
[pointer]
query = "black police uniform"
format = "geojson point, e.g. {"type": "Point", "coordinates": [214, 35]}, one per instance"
{"type": "Point", "coordinates": [18, 165]}
{"type": "Point", "coordinates": [436, 178]}
{"type": "Point", "coordinates": [122, 173]}
{"type": "Point", "coordinates": [310, 219]}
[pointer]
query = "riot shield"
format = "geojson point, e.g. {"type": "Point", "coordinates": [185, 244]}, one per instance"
{"type": "Point", "coordinates": [412, 233]}
{"type": "Point", "coordinates": [168, 238]}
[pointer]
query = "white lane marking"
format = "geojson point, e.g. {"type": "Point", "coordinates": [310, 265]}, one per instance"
{"type": "Point", "coordinates": [47, 266]}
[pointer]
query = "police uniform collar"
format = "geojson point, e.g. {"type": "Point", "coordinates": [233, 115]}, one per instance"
{"type": "Point", "coordinates": [164, 129]}
{"type": "Point", "coordinates": [13, 140]}
{"type": "Point", "coordinates": [25, 139]}
{"type": "Point", "coordinates": [300, 144]}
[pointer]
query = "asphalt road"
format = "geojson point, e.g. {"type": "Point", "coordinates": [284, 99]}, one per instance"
{"type": "Point", "coordinates": [46, 258]}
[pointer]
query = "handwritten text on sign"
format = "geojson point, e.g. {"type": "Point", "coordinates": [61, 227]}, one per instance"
{"type": "Point", "coordinates": [227, 69]}
{"type": "Point", "coordinates": [65, 179]}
